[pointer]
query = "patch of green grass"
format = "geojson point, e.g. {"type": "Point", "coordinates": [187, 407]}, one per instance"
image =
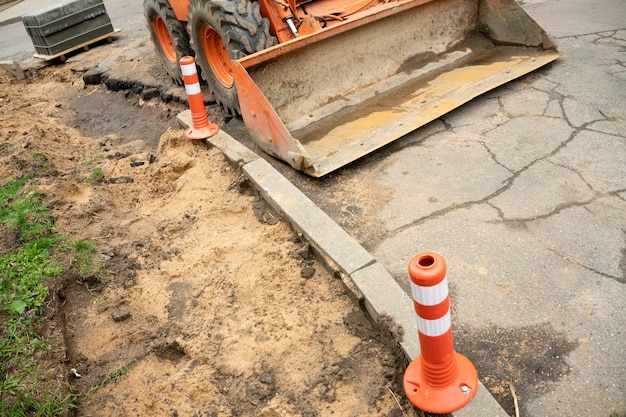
{"type": "Point", "coordinates": [92, 161]}
{"type": "Point", "coordinates": [82, 257]}
{"type": "Point", "coordinates": [8, 192]}
{"type": "Point", "coordinates": [36, 166]}
{"type": "Point", "coordinates": [25, 389]}
{"type": "Point", "coordinates": [22, 210]}
{"type": "Point", "coordinates": [95, 176]}
{"type": "Point", "coordinates": [114, 376]}
{"type": "Point", "coordinates": [45, 165]}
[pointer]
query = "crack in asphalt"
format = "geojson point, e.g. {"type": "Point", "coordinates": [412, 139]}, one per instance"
{"type": "Point", "coordinates": [510, 181]}
{"type": "Point", "coordinates": [600, 33]}
{"type": "Point", "coordinates": [573, 261]}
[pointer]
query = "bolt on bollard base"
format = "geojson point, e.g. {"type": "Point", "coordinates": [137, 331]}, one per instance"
{"type": "Point", "coordinates": [441, 399]}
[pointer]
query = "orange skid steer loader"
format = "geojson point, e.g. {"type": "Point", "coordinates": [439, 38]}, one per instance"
{"type": "Point", "coordinates": [320, 83]}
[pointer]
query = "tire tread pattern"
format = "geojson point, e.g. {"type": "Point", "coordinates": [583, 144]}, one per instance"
{"type": "Point", "coordinates": [242, 29]}
{"type": "Point", "coordinates": [177, 31]}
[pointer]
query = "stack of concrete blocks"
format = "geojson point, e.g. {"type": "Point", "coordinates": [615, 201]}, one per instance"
{"type": "Point", "coordinates": [67, 25]}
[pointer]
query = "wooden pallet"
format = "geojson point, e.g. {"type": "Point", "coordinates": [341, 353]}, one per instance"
{"type": "Point", "coordinates": [84, 46]}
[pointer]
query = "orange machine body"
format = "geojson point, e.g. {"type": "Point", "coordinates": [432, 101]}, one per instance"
{"type": "Point", "coordinates": [330, 81]}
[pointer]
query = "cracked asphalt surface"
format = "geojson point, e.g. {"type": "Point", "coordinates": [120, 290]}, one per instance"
{"type": "Point", "coordinates": [523, 191]}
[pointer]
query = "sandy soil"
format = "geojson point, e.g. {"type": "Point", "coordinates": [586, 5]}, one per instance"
{"type": "Point", "coordinates": [206, 304]}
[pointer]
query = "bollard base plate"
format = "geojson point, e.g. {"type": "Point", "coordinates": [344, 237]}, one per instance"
{"type": "Point", "coordinates": [203, 132]}
{"type": "Point", "coordinates": [441, 399]}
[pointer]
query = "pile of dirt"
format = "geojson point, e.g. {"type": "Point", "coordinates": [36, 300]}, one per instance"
{"type": "Point", "coordinates": [206, 304]}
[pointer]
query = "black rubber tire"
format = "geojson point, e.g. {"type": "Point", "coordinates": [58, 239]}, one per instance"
{"type": "Point", "coordinates": [242, 30]}
{"type": "Point", "coordinates": [154, 9]}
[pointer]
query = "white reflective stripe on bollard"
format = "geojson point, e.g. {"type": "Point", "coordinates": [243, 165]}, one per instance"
{"type": "Point", "coordinates": [188, 69]}
{"type": "Point", "coordinates": [192, 89]}
{"type": "Point", "coordinates": [430, 296]}
{"type": "Point", "coordinates": [434, 328]}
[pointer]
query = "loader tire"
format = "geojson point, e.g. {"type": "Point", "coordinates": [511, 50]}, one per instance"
{"type": "Point", "coordinates": [169, 36]}
{"type": "Point", "coordinates": [221, 31]}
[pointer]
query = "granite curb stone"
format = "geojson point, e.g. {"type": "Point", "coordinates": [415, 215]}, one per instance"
{"type": "Point", "coordinates": [332, 241]}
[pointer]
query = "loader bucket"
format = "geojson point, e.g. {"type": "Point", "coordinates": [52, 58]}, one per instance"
{"type": "Point", "coordinates": [324, 100]}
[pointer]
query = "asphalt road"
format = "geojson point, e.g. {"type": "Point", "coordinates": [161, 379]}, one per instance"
{"type": "Point", "coordinates": [523, 191]}
{"type": "Point", "coordinates": [15, 44]}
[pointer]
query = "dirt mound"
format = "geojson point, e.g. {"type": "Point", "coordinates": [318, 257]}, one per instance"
{"type": "Point", "coordinates": [205, 305]}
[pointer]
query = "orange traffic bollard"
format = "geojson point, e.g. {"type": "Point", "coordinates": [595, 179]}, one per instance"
{"type": "Point", "coordinates": [201, 128]}
{"type": "Point", "coordinates": [439, 380]}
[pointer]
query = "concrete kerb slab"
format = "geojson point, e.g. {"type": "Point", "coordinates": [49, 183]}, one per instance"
{"type": "Point", "coordinates": [11, 12]}
{"type": "Point", "coordinates": [316, 226]}
{"type": "Point", "coordinates": [236, 153]}
{"type": "Point", "coordinates": [10, 20]}
{"type": "Point", "coordinates": [382, 296]}
{"type": "Point", "coordinates": [6, 4]}
{"type": "Point", "coordinates": [14, 68]}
